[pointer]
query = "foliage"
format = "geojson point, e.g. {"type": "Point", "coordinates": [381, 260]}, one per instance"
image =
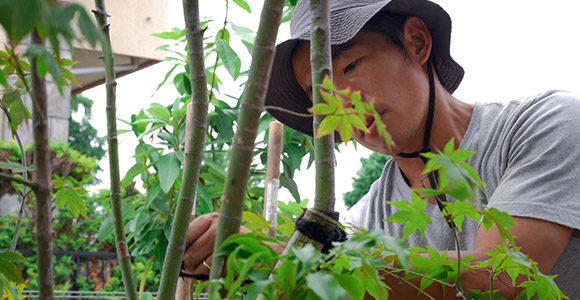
{"type": "Point", "coordinates": [370, 171]}
{"type": "Point", "coordinates": [343, 116]}
{"type": "Point", "coordinates": [160, 131]}
{"type": "Point", "coordinates": [361, 264]}
{"type": "Point", "coordinates": [82, 135]}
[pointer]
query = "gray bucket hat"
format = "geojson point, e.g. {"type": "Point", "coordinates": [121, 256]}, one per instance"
{"type": "Point", "coordinates": [347, 17]}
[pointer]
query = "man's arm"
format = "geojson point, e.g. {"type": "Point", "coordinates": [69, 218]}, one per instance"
{"type": "Point", "coordinates": [540, 240]}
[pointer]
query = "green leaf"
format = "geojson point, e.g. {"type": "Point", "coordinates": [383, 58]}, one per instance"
{"type": "Point", "coordinates": [169, 168]}
{"type": "Point", "coordinates": [345, 130]}
{"type": "Point", "coordinates": [88, 28]}
{"type": "Point", "coordinates": [328, 125]}
{"type": "Point", "coordinates": [14, 167]}
{"type": "Point", "coordinates": [331, 99]}
{"type": "Point", "coordinates": [325, 286]}
{"type": "Point", "coordinates": [290, 185]}
{"type": "Point", "coordinates": [357, 121]}
{"type": "Point", "coordinates": [411, 214]}
{"type": "Point", "coordinates": [175, 34]}
{"type": "Point", "coordinates": [245, 33]}
{"type": "Point", "coordinates": [23, 19]}
{"type": "Point", "coordinates": [461, 209]}
{"type": "Point", "coordinates": [160, 112]}
{"type": "Point", "coordinates": [10, 270]}
{"type": "Point", "coordinates": [352, 285]}
{"type": "Point", "coordinates": [255, 222]}
{"type": "Point", "coordinates": [18, 111]}
{"type": "Point", "coordinates": [287, 272]}
{"type": "Point", "coordinates": [12, 256]}
{"type": "Point", "coordinates": [224, 34]}
{"type": "Point", "coordinates": [244, 5]}
{"type": "Point", "coordinates": [106, 229]}
{"type": "Point", "coordinates": [135, 170]}
{"type": "Point", "coordinates": [322, 109]}
{"type": "Point", "coordinates": [70, 197]}
{"type": "Point", "coordinates": [501, 220]}
{"type": "Point", "coordinates": [229, 57]}
{"type": "Point", "coordinates": [3, 80]}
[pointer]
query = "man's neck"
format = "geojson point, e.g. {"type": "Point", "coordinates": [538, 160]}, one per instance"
{"type": "Point", "coordinates": [451, 119]}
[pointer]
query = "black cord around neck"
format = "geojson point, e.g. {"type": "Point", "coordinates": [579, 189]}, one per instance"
{"type": "Point", "coordinates": [427, 140]}
{"type": "Point", "coordinates": [430, 116]}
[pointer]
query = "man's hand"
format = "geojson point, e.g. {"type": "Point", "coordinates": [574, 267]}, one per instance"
{"type": "Point", "coordinates": [200, 241]}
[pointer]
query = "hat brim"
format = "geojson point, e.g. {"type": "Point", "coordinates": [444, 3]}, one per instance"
{"type": "Point", "coordinates": [285, 92]}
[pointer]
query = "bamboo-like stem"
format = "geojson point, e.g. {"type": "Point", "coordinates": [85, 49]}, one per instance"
{"type": "Point", "coordinates": [321, 65]}
{"type": "Point", "coordinates": [243, 144]}
{"type": "Point", "coordinates": [196, 124]}
{"type": "Point", "coordinates": [273, 176]}
{"type": "Point", "coordinates": [42, 171]}
{"type": "Point", "coordinates": [123, 255]}
{"type": "Point", "coordinates": [9, 177]}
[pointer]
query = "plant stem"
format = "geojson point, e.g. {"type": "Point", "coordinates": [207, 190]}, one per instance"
{"type": "Point", "coordinates": [42, 171]}
{"type": "Point", "coordinates": [243, 144]}
{"type": "Point", "coordinates": [217, 56]}
{"type": "Point", "coordinates": [321, 64]}
{"type": "Point", "coordinates": [123, 255]}
{"type": "Point", "coordinates": [9, 177]}
{"type": "Point", "coordinates": [196, 124]}
{"type": "Point", "coordinates": [145, 276]}
{"type": "Point", "coordinates": [24, 161]}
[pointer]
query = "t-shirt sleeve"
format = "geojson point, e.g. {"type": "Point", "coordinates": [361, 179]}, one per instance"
{"type": "Point", "coordinates": [542, 178]}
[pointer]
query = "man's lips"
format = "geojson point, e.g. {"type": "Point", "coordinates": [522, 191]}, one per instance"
{"type": "Point", "coordinates": [371, 124]}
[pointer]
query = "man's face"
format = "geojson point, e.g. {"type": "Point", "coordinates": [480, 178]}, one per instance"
{"type": "Point", "coordinates": [394, 81]}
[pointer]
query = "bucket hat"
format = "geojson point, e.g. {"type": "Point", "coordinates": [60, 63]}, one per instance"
{"type": "Point", "coordinates": [347, 17]}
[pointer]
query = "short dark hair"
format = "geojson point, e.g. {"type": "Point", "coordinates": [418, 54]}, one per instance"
{"type": "Point", "coordinates": [388, 24]}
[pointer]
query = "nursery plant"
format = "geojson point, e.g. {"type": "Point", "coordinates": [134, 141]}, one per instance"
{"type": "Point", "coordinates": [182, 156]}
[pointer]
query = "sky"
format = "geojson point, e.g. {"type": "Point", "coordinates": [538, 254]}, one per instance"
{"type": "Point", "coordinates": [509, 50]}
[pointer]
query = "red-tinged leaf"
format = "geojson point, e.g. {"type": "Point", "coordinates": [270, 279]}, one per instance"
{"type": "Point", "coordinates": [330, 98]}
{"type": "Point", "coordinates": [358, 122]}
{"type": "Point", "coordinates": [327, 84]}
{"type": "Point", "coordinates": [345, 130]}
{"type": "Point", "coordinates": [322, 109]}
{"type": "Point", "coordinates": [327, 126]}
{"type": "Point", "coordinates": [346, 92]}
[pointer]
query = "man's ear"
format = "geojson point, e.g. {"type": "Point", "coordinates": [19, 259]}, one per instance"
{"type": "Point", "coordinates": [417, 40]}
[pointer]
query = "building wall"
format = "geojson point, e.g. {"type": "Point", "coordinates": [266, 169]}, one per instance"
{"type": "Point", "coordinates": [132, 23]}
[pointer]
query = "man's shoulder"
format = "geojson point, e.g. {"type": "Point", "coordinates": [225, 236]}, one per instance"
{"type": "Point", "coordinates": [500, 121]}
{"type": "Point", "coordinates": [550, 103]}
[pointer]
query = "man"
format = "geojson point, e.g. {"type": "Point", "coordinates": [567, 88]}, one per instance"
{"type": "Point", "coordinates": [397, 54]}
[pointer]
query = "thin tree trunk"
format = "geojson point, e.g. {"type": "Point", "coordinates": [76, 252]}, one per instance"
{"type": "Point", "coordinates": [42, 171]}
{"type": "Point", "coordinates": [123, 255]}
{"type": "Point", "coordinates": [321, 62]}
{"type": "Point", "coordinates": [196, 124]}
{"type": "Point", "coordinates": [248, 119]}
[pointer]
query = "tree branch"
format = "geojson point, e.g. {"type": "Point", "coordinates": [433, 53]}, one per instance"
{"type": "Point", "coordinates": [28, 183]}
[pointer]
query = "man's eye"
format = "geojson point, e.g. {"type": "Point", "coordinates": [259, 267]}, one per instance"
{"type": "Point", "coordinates": [351, 66]}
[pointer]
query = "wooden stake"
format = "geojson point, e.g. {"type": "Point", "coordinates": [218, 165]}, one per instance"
{"type": "Point", "coordinates": [273, 175]}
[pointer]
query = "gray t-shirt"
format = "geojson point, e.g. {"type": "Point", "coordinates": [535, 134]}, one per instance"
{"type": "Point", "coordinates": [527, 154]}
